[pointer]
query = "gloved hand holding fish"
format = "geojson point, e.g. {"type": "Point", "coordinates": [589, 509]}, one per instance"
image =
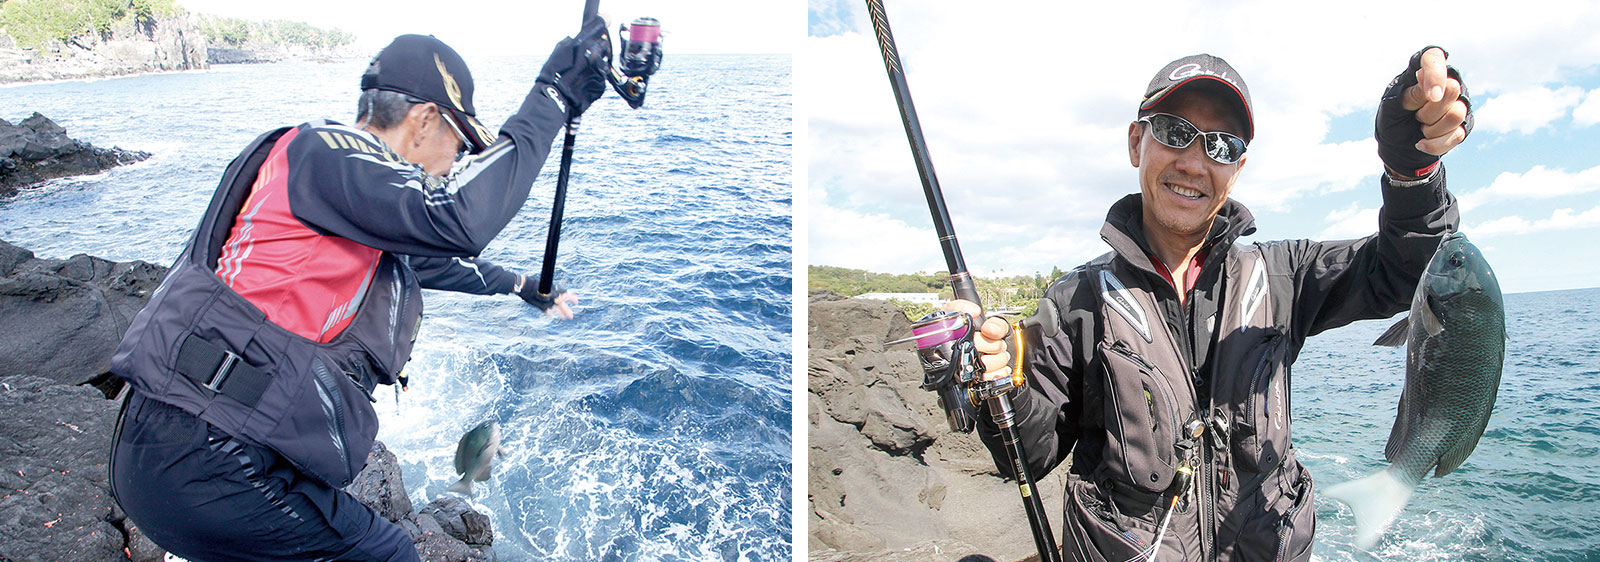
{"type": "Point", "coordinates": [1455, 346]}
{"type": "Point", "coordinates": [475, 456]}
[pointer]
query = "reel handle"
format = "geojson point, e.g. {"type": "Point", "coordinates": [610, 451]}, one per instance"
{"type": "Point", "coordinates": [1046, 322]}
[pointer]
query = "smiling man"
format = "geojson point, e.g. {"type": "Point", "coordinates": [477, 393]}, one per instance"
{"type": "Point", "coordinates": [1168, 381]}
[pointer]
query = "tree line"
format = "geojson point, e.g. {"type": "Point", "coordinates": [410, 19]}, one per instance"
{"type": "Point", "coordinates": [236, 32]}
{"type": "Point", "coordinates": [1015, 291]}
{"type": "Point", "coordinates": [34, 23]}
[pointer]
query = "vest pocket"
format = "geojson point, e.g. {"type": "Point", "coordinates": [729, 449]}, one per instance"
{"type": "Point", "coordinates": [1261, 428]}
{"type": "Point", "coordinates": [1299, 523]}
{"type": "Point", "coordinates": [1094, 533]}
{"type": "Point", "coordinates": [1143, 419]}
{"type": "Point", "coordinates": [329, 435]}
{"type": "Point", "coordinates": [1281, 526]}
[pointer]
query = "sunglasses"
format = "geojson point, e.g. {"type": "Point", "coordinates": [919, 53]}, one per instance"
{"type": "Point", "coordinates": [1175, 132]}
{"type": "Point", "coordinates": [465, 144]}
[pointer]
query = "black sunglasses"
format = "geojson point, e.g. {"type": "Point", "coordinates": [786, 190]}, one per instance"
{"type": "Point", "coordinates": [1176, 132]}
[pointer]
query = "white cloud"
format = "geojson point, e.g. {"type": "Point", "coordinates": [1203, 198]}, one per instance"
{"type": "Point", "coordinates": [1561, 219]}
{"type": "Point", "coordinates": [1525, 111]}
{"type": "Point", "coordinates": [1538, 182]}
{"type": "Point", "coordinates": [1588, 112]}
{"type": "Point", "coordinates": [845, 238]}
{"type": "Point", "coordinates": [1027, 125]}
{"type": "Point", "coordinates": [1350, 222]}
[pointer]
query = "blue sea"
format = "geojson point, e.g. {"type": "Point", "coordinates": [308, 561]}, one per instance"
{"type": "Point", "coordinates": [655, 425]}
{"type": "Point", "coordinates": [1531, 489]}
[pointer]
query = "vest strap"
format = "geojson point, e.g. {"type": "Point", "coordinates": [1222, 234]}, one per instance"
{"type": "Point", "coordinates": [221, 370]}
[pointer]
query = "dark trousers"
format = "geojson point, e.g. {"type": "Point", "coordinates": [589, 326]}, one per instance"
{"type": "Point", "coordinates": [203, 495]}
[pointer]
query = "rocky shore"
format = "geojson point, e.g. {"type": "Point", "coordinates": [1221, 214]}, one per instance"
{"type": "Point", "coordinates": [887, 478]}
{"type": "Point", "coordinates": [61, 320]}
{"type": "Point", "coordinates": [37, 149]}
{"type": "Point", "coordinates": [126, 48]}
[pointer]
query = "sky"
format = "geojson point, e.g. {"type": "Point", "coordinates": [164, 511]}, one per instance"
{"type": "Point", "coordinates": [1026, 109]}
{"type": "Point", "coordinates": [491, 27]}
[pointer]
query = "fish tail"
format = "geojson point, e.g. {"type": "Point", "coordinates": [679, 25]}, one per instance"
{"type": "Point", "coordinates": [1375, 500]}
{"type": "Point", "coordinates": [462, 486]}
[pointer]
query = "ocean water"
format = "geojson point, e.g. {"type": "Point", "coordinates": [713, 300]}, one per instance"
{"type": "Point", "coordinates": [655, 425]}
{"type": "Point", "coordinates": [1531, 489]}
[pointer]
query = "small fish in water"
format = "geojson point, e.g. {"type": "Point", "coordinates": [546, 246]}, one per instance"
{"type": "Point", "coordinates": [475, 456]}
{"type": "Point", "coordinates": [1455, 340]}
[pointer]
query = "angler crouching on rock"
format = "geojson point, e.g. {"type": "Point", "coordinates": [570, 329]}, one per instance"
{"type": "Point", "coordinates": [253, 366]}
{"type": "Point", "coordinates": [1168, 381]}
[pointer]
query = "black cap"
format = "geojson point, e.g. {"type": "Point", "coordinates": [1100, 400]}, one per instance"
{"type": "Point", "coordinates": [1204, 72]}
{"type": "Point", "coordinates": [425, 68]}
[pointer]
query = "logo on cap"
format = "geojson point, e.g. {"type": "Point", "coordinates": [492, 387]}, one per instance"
{"type": "Point", "coordinates": [1194, 69]}
{"type": "Point", "coordinates": [450, 85]}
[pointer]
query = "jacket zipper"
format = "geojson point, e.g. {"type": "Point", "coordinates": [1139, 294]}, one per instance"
{"type": "Point", "coordinates": [1283, 528]}
{"type": "Point", "coordinates": [1261, 369]}
{"type": "Point", "coordinates": [1206, 515]}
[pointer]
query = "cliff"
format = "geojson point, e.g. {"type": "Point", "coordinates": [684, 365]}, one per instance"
{"type": "Point", "coordinates": [172, 43]}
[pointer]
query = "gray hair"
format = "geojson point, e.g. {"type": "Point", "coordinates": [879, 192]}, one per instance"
{"type": "Point", "coordinates": [386, 109]}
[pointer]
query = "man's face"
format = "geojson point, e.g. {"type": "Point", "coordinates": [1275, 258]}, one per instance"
{"type": "Point", "coordinates": [438, 144]}
{"type": "Point", "coordinates": [1183, 188]}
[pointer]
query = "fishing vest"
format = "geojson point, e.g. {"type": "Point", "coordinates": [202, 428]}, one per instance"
{"type": "Point", "coordinates": [201, 347]}
{"type": "Point", "coordinates": [1251, 499]}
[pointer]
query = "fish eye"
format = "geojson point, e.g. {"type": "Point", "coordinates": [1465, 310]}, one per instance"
{"type": "Point", "coordinates": [1455, 260]}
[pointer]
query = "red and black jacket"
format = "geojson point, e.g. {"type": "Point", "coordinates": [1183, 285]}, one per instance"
{"type": "Point", "coordinates": [301, 288]}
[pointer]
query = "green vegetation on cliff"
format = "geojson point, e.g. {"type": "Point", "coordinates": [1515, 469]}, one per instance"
{"type": "Point", "coordinates": [35, 22]}
{"type": "Point", "coordinates": [1022, 291]}
{"type": "Point", "coordinates": [236, 32]}
{"type": "Point", "coordinates": [852, 282]}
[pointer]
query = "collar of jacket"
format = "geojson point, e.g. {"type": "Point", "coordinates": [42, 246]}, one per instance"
{"type": "Point", "coordinates": [1124, 231]}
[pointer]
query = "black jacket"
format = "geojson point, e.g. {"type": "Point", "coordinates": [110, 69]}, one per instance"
{"type": "Point", "coordinates": [1252, 495]}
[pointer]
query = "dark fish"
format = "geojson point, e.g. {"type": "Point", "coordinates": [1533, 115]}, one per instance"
{"type": "Point", "coordinates": [475, 456]}
{"type": "Point", "coordinates": [1455, 341]}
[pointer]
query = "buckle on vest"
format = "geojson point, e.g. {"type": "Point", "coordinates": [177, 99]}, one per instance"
{"type": "Point", "coordinates": [214, 382]}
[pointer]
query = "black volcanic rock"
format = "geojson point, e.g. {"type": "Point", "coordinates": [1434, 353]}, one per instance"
{"type": "Point", "coordinates": [55, 496]}
{"type": "Point", "coordinates": [37, 149]}
{"type": "Point", "coordinates": [59, 321]}
{"type": "Point", "coordinates": [459, 520]}
{"type": "Point", "coordinates": [379, 486]}
{"type": "Point", "coordinates": [63, 318]}
{"type": "Point", "coordinates": [887, 479]}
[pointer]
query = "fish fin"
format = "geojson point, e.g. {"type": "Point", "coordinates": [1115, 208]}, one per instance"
{"type": "Point", "coordinates": [1430, 320]}
{"type": "Point", "coordinates": [1374, 500]}
{"type": "Point", "coordinates": [1395, 336]}
{"type": "Point", "coordinates": [463, 487]}
{"type": "Point", "coordinates": [1458, 453]}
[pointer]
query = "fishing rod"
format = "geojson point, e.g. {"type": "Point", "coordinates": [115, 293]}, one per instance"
{"type": "Point", "coordinates": [945, 339]}
{"type": "Point", "coordinates": [641, 58]}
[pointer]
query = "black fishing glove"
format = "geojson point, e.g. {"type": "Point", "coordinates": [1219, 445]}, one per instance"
{"type": "Point", "coordinates": [528, 288]}
{"type": "Point", "coordinates": [574, 67]}
{"type": "Point", "coordinates": [1397, 128]}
